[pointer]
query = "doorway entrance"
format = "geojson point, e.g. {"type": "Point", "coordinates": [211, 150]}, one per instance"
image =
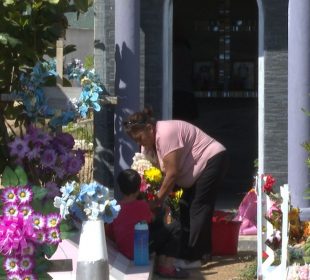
{"type": "Point", "coordinates": [215, 62]}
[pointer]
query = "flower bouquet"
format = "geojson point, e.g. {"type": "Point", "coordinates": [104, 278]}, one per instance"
{"type": "Point", "coordinates": [86, 202]}
{"type": "Point", "coordinates": [151, 179]}
{"type": "Point", "coordinates": [89, 203]}
{"type": "Point", "coordinates": [151, 176]}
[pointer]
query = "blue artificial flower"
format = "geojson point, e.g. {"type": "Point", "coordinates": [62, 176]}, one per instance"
{"type": "Point", "coordinates": [67, 189]}
{"type": "Point", "coordinates": [83, 109]}
{"type": "Point", "coordinates": [111, 211]}
{"type": "Point", "coordinates": [96, 106]}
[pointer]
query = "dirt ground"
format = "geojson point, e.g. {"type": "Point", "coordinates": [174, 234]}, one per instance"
{"type": "Point", "coordinates": [221, 268]}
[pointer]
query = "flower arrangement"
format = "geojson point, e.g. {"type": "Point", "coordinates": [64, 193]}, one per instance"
{"type": "Point", "coordinates": [91, 87]}
{"type": "Point", "coordinates": [151, 176]}
{"type": "Point", "coordinates": [33, 101]}
{"type": "Point", "coordinates": [86, 202]}
{"type": "Point", "coordinates": [49, 160]}
{"type": "Point", "coordinates": [25, 234]}
{"type": "Point", "coordinates": [151, 179]}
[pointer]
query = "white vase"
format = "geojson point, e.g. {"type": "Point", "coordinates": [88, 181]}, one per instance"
{"type": "Point", "coordinates": [92, 263]}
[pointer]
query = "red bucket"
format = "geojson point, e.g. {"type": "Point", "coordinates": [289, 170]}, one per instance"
{"type": "Point", "coordinates": [225, 234]}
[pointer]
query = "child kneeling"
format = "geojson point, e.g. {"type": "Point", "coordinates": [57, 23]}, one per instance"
{"type": "Point", "coordinates": [164, 239]}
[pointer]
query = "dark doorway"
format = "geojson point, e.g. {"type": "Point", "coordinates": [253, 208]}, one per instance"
{"type": "Point", "coordinates": [215, 53]}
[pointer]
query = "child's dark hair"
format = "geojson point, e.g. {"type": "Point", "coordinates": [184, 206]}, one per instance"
{"type": "Point", "coordinates": [129, 181]}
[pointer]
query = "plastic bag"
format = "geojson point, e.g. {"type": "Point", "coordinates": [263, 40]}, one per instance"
{"type": "Point", "coordinates": [247, 214]}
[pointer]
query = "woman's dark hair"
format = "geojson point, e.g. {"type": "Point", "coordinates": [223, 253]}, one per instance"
{"type": "Point", "coordinates": [129, 181]}
{"type": "Point", "coordinates": [137, 121]}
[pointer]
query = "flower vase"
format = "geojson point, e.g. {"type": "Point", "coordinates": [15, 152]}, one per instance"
{"type": "Point", "coordinates": [92, 260]}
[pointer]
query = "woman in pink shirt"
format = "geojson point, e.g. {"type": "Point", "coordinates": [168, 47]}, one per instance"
{"type": "Point", "coordinates": [191, 159]}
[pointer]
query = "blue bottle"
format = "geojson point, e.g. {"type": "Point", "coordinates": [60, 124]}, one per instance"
{"type": "Point", "coordinates": [141, 244]}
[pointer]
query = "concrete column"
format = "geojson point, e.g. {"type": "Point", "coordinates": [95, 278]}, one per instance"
{"type": "Point", "coordinates": [127, 80]}
{"type": "Point", "coordinates": [298, 99]}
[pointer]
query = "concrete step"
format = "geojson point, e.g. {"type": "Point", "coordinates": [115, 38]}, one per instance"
{"type": "Point", "coordinates": [247, 243]}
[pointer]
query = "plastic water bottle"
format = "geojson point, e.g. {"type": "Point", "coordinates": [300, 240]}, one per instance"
{"type": "Point", "coordinates": [141, 244]}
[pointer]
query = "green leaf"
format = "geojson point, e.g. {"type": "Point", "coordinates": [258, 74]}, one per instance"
{"type": "Point", "coordinates": [39, 192]}
{"type": "Point", "coordinates": [81, 5]}
{"type": "Point", "coordinates": [22, 176]}
{"type": "Point", "coordinates": [49, 207]}
{"type": "Point", "coordinates": [53, 1]}
{"type": "Point", "coordinates": [9, 178]}
{"type": "Point", "coordinates": [49, 250]}
{"type": "Point", "coordinates": [68, 234]}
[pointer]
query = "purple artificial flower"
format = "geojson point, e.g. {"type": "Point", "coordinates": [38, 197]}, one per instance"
{"type": "Point", "coordinates": [38, 221]}
{"type": "Point", "coordinates": [10, 210]}
{"type": "Point", "coordinates": [64, 141]}
{"type": "Point", "coordinates": [53, 235]}
{"type": "Point", "coordinates": [24, 195]}
{"type": "Point", "coordinates": [9, 195]}
{"type": "Point", "coordinates": [80, 155]}
{"type": "Point", "coordinates": [49, 158]}
{"type": "Point", "coordinates": [60, 172]}
{"type": "Point", "coordinates": [10, 264]}
{"type": "Point", "coordinates": [26, 263]}
{"type": "Point", "coordinates": [74, 165]}
{"type": "Point", "coordinates": [53, 220]}
{"type": "Point", "coordinates": [37, 136]}
{"type": "Point", "coordinates": [35, 151]}
{"type": "Point", "coordinates": [19, 148]}
{"type": "Point", "coordinates": [26, 210]}
{"type": "Point", "coordinates": [52, 188]}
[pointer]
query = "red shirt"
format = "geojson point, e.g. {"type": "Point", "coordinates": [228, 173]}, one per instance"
{"type": "Point", "coordinates": [123, 226]}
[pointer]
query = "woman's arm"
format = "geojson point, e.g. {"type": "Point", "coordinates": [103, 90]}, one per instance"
{"type": "Point", "coordinates": [171, 164]}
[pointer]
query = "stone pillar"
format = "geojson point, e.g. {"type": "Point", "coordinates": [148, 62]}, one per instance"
{"type": "Point", "coordinates": [298, 99]}
{"type": "Point", "coordinates": [127, 80]}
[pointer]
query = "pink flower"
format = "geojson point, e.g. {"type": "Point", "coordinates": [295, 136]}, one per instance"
{"type": "Point", "coordinates": [15, 233]}
{"type": "Point", "coordinates": [10, 264]}
{"type": "Point", "coordinates": [26, 263]}
{"type": "Point", "coordinates": [53, 220]}
{"type": "Point", "coordinates": [273, 208]}
{"type": "Point", "coordinates": [24, 194]}
{"type": "Point", "coordinates": [143, 186]}
{"type": "Point", "coordinates": [9, 195]}
{"type": "Point", "coordinates": [53, 236]}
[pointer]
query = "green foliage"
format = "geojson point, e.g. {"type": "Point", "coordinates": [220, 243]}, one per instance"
{"type": "Point", "coordinates": [89, 62]}
{"type": "Point", "coordinates": [16, 177]}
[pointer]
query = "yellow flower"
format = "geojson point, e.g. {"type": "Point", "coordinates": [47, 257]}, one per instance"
{"type": "Point", "coordinates": [306, 229]}
{"type": "Point", "coordinates": [153, 175]}
{"type": "Point", "coordinates": [85, 81]}
{"type": "Point", "coordinates": [293, 215]}
{"type": "Point", "coordinates": [178, 194]}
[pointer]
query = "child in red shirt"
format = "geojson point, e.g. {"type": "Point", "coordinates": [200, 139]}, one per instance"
{"type": "Point", "coordinates": [164, 239]}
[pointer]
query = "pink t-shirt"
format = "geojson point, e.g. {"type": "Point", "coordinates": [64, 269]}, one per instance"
{"type": "Point", "coordinates": [123, 226]}
{"type": "Point", "coordinates": [197, 146]}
